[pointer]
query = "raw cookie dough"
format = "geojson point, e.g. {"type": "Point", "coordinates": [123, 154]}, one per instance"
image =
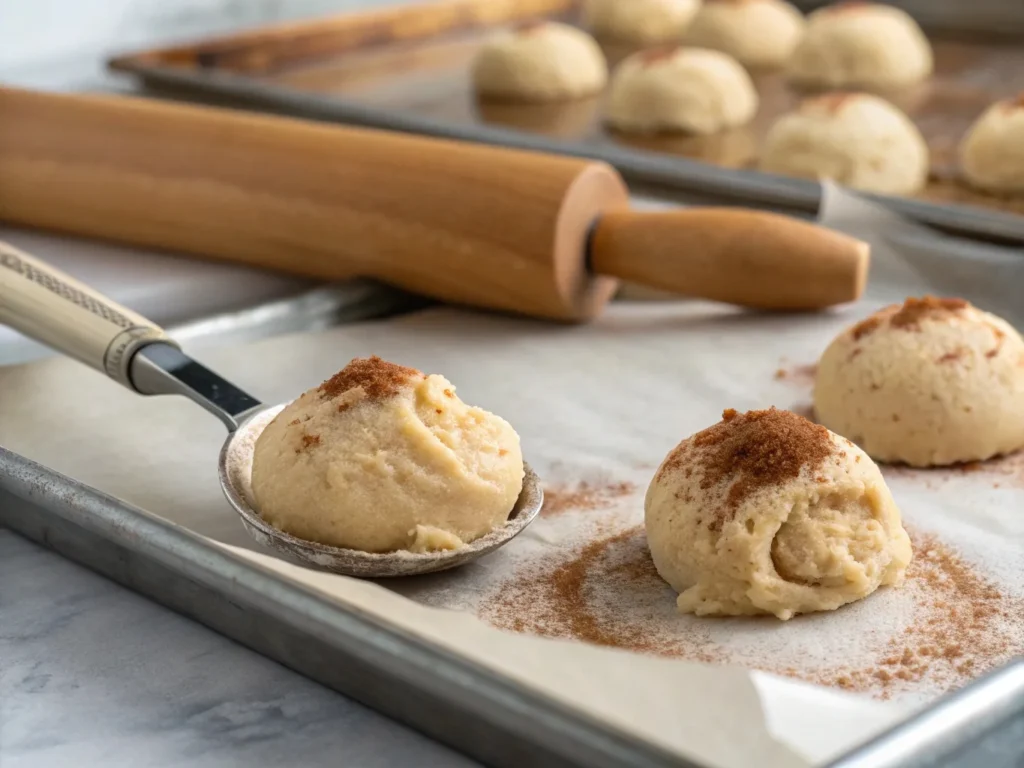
{"type": "Point", "coordinates": [381, 458]}
{"type": "Point", "coordinates": [692, 90]}
{"type": "Point", "coordinates": [861, 45]}
{"type": "Point", "coordinates": [758, 33]}
{"type": "Point", "coordinates": [639, 21]}
{"type": "Point", "coordinates": [854, 139]}
{"type": "Point", "coordinates": [931, 382]}
{"type": "Point", "coordinates": [992, 152]}
{"type": "Point", "coordinates": [766, 512]}
{"type": "Point", "coordinates": [543, 61]}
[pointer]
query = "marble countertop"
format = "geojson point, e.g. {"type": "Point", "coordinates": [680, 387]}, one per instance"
{"type": "Point", "coordinates": [92, 674]}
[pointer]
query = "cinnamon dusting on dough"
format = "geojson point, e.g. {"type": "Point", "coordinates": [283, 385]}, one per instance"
{"type": "Point", "coordinates": [378, 379]}
{"type": "Point", "coordinates": [759, 449]}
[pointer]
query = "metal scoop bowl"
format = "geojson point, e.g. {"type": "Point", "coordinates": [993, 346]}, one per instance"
{"type": "Point", "coordinates": [57, 310]}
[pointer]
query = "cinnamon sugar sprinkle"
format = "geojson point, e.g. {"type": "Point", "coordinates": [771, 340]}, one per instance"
{"type": "Point", "coordinates": [378, 379]}
{"type": "Point", "coordinates": [759, 449]}
{"type": "Point", "coordinates": [907, 316]}
{"type": "Point", "coordinates": [959, 623]}
{"type": "Point", "coordinates": [798, 375]}
{"type": "Point", "coordinates": [308, 441]}
{"type": "Point", "coordinates": [584, 496]}
{"type": "Point", "coordinates": [915, 310]}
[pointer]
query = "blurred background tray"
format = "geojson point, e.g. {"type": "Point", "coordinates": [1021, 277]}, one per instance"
{"type": "Point", "coordinates": [408, 69]}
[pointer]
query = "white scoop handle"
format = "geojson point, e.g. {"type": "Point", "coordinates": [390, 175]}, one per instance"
{"type": "Point", "coordinates": [59, 311]}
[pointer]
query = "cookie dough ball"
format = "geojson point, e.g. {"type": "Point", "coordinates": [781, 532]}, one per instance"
{"type": "Point", "coordinates": [861, 45]}
{"type": "Point", "coordinates": [992, 152]}
{"type": "Point", "coordinates": [758, 33]}
{"type": "Point", "coordinates": [767, 513]}
{"type": "Point", "coordinates": [689, 90]}
{"type": "Point", "coordinates": [543, 61]}
{"type": "Point", "coordinates": [640, 21]}
{"type": "Point", "coordinates": [382, 458]}
{"type": "Point", "coordinates": [929, 383]}
{"type": "Point", "coordinates": [854, 139]}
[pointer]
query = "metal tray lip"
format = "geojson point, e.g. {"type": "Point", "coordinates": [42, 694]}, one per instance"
{"type": "Point", "coordinates": [328, 620]}
{"type": "Point", "coordinates": [741, 186]}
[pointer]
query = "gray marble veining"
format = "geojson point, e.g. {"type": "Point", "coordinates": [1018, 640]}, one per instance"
{"type": "Point", "coordinates": [92, 674]}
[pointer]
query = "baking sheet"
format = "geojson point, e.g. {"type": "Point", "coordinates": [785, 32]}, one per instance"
{"type": "Point", "coordinates": [414, 75]}
{"type": "Point", "coordinates": [653, 374]}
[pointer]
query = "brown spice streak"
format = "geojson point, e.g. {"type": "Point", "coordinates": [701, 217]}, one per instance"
{"type": "Point", "coordinates": [754, 450]}
{"type": "Point", "coordinates": [378, 378]}
{"type": "Point", "coordinates": [584, 496]}
{"type": "Point", "coordinates": [914, 310]}
{"type": "Point", "coordinates": [308, 441]}
{"type": "Point", "coordinates": [866, 326]}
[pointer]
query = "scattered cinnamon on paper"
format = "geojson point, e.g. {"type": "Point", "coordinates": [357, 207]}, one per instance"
{"type": "Point", "coordinates": [798, 375]}
{"type": "Point", "coordinates": [609, 593]}
{"type": "Point", "coordinates": [584, 496]}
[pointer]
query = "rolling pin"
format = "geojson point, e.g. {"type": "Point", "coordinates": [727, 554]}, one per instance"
{"type": "Point", "coordinates": [517, 231]}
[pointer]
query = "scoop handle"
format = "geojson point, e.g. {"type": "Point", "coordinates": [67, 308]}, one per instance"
{"type": "Point", "coordinates": [59, 311]}
{"type": "Point", "coordinates": [751, 258]}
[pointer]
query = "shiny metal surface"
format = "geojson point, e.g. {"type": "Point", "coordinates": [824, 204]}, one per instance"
{"type": "Point", "coordinates": [936, 736]}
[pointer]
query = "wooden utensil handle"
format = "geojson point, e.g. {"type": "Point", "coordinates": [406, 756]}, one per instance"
{"type": "Point", "coordinates": [51, 307]}
{"type": "Point", "coordinates": [743, 257]}
{"type": "Point", "coordinates": [463, 223]}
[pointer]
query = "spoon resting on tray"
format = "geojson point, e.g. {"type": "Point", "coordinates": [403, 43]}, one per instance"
{"type": "Point", "coordinates": [57, 310]}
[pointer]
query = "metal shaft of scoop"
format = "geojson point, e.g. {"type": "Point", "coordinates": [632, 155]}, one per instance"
{"type": "Point", "coordinates": [163, 369]}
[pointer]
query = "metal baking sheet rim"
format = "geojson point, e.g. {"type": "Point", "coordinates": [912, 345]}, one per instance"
{"type": "Point", "coordinates": [406, 678]}
{"type": "Point", "coordinates": [708, 183]}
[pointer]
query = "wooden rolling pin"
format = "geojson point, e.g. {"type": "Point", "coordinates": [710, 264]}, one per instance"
{"type": "Point", "coordinates": [519, 231]}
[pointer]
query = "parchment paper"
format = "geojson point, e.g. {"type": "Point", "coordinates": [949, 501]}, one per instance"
{"type": "Point", "coordinates": [599, 404]}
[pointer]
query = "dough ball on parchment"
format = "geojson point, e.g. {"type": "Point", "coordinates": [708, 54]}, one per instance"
{"type": "Point", "coordinates": [767, 513]}
{"type": "Point", "coordinates": [855, 139]}
{"type": "Point", "coordinates": [382, 458]}
{"type": "Point", "coordinates": [639, 21]}
{"type": "Point", "coordinates": [931, 382]}
{"type": "Point", "coordinates": [865, 45]}
{"type": "Point", "coordinates": [757, 33]}
{"type": "Point", "coordinates": [542, 61]}
{"type": "Point", "coordinates": [992, 152]}
{"type": "Point", "coordinates": [690, 90]}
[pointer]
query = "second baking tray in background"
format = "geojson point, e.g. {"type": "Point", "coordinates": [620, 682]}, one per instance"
{"type": "Point", "coordinates": [407, 69]}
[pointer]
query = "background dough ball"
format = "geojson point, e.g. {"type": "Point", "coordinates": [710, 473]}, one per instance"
{"type": "Point", "coordinates": [861, 45]}
{"type": "Point", "coordinates": [992, 152]}
{"type": "Point", "coordinates": [681, 89]}
{"type": "Point", "coordinates": [640, 21]}
{"type": "Point", "coordinates": [766, 512]}
{"type": "Point", "coordinates": [854, 139]}
{"type": "Point", "coordinates": [932, 382]}
{"type": "Point", "coordinates": [546, 61]}
{"type": "Point", "coordinates": [758, 33]}
{"type": "Point", "coordinates": [381, 458]}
